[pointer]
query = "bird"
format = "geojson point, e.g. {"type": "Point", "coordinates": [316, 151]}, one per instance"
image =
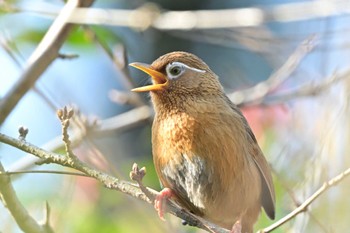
{"type": "Point", "coordinates": [205, 154]}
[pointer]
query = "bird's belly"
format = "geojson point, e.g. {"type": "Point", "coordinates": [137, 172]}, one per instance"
{"type": "Point", "coordinates": [191, 180]}
{"type": "Point", "coordinates": [197, 187]}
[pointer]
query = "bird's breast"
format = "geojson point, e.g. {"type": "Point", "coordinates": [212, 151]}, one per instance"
{"type": "Point", "coordinates": [177, 131]}
{"type": "Point", "coordinates": [177, 162]}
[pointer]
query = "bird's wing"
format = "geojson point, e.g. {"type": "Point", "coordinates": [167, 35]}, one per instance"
{"type": "Point", "coordinates": [267, 191]}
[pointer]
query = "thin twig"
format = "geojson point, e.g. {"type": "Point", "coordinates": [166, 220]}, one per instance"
{"type": "Point", "coordinates": [9, 173]}
{"type": "Point", "coordinates": [296, 202]}
{"type": "Point", "coordinates": [67, 56]}
{"type": "Point", "coordinates": [258, 92]}
{"type": "Point", "coordinates": [120, 65]}
{"type": "Point", "coordinates": [65, 115]}
{"type": "Point", "coordinates": [123, 97]}
{"type": "Point", "coordinates": [137, 174]}
{"type": "Point", "coordinates": [307, 90]}
{"type": "Point", "coordinates": [125, 120]}
{"type": "Point", "coordinates": [46, 221]}
{"type": "Point", "coordinates": [310, 89]}
{"type": "Point", "coordinates": [11, 48]}
{"type": "Point", "coordinates": [116, 124]}
{"type": "Point", "coordinates": [304, 206]}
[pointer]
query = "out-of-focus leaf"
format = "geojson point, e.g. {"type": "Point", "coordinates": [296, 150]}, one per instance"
{"type": "Point", "coordinates": [33, 36]}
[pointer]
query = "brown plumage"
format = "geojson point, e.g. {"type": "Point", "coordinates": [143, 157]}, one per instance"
{"type": "Point", "coordinates": [204, 151]}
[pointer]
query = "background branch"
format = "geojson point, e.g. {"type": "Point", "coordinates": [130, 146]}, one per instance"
{"type": "Point", "coordinates": [258, 92]}
{"type": "Point", "coordinates": [311, 89]}
{"type": "Point", "coordinates": [151, 16]}
{"type": "Point", "coordinates": [304, 206]}
{"type": "Point", "coordinates": [42, 57]}
{"type": "Point", "coordinates": [13, 204]}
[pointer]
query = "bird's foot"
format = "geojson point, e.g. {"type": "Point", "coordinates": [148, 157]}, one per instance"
{"type": "Point", "coordinates": [160, 201]}
{"type": "Point", "coordinates": [237, 227]}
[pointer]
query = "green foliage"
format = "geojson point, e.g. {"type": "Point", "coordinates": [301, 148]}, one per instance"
{"type": "Point", "coordinates": [85, 36]}
{"type": "Point", "coordinates": [81, 37]}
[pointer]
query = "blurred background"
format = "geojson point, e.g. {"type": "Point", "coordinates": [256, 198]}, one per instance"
{"type": "Point", "coordinates": [286, 63]}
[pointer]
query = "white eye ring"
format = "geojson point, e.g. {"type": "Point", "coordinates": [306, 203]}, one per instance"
{"type": "Point", "coordinates": [176, 69]}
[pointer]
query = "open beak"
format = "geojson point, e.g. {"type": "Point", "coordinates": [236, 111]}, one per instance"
{"type": "Point", "coordinates": [159, 80]}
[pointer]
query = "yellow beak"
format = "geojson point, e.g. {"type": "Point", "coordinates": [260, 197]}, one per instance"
{"type": "Point", "coordinates": [160, 81]}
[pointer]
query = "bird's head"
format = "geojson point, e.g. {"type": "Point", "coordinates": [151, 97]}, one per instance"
{"type": "Point", "coordinates": [179, 76]}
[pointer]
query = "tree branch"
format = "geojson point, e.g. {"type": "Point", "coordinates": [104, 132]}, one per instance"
{"type": "Point", "coordinates": [8, 195]}
{"type": "Point", "coordinates": [42, 57]}
{"type": "Point", "coordinates": [116, 124]}
{"type": "Point", "coordinates": [108, 181]}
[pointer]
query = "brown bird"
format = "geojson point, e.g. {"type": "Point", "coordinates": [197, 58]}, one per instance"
{"type": "Point", "coordinates": [205, 154]}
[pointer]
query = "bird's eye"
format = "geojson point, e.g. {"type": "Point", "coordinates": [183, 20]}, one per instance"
{"type": "Point", "coordinates": [176, 70]}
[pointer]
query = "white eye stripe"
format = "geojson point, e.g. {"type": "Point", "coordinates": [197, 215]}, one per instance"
{"type": "Point", "coordinates": [188, 67]}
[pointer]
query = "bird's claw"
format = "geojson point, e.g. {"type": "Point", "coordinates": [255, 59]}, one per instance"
{"type": "Point", "coordinates": [237, 227]}
{"type": "Point", "coordinates": [160, 201]}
